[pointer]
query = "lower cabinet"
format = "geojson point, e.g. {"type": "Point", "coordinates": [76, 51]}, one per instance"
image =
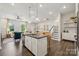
{"type": "Point", "coordinates": [34, 46]}
{"type": "Point", "coordinates": [26, 41]}
{"type": "Point", "coordinates": [42, 47]}
{"type": "Point", "coordinates": [29, 44]}
{"type": "Point", "coordinates": [69, 36]}
{"type": "Point", "coordinates": [37, 46]}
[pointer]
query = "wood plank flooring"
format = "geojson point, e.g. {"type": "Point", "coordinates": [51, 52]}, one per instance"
{"type": "Point", "coordinates": [63, 48]}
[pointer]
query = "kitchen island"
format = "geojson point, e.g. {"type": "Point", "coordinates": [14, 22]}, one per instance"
{"type": "Point", "coordinates": [37, 44]}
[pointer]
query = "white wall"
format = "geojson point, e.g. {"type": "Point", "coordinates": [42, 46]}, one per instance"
{"type": "Point", "coordinates": [3, 27]}
{"type": "Point", "coordinates": [50, 23]}
{"type": "Point", "coordinates": [17, 26]}
{"type": "Point", "coordinates": [31, 27]}
{"type": "Point", "coordinates": [72, 31]}
{"type": "Point", "coordinates": [4, 22]}
{"type": "Point", "coordinates": [66, 17]}
{"type": "Point", "coordinates": [58, 24]}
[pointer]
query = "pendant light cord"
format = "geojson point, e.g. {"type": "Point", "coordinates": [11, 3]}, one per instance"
{"type": "Point", "coordinates": [29, 11]}
{"type": "Point", "coordinates": [37, 11]}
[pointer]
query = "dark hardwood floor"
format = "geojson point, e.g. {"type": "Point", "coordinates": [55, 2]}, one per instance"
{"type": "Point", "coordinates": [12, 48]}
{"type": "Point", "coordinates": [63, 48]}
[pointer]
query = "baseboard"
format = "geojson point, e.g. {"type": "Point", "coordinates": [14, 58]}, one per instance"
{"type": "Point", "coordinates": [56, 39]}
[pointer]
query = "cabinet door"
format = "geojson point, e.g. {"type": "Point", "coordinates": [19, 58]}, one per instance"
{"type": "Point", "coordinates": [65, 36]}
{"type": "Point", "coordinates": [26, 41]}
{"type": "Point", "coordinates": [34, 46]}
{"type": "Point", "coordinates": [42, 46]}
{"type": "Point", "coordinates": [29, 43]}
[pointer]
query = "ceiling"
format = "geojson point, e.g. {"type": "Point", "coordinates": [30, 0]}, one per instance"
{"type": "Point", "coordinates": [42, 11]}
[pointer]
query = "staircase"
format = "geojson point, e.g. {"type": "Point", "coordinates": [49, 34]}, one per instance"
{"type": "Point", "coordinates": [51, 31]}
{"type": "Point", "coordinates": [54, 32]}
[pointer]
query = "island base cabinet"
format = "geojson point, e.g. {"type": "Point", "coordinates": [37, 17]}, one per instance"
{"type": "Point", "coordinates": [28, 42]}
{"type": "Point", "coordinates": [37, 46]}
{"type": "Point", "coordinates": [34, 46]}
{"type": "Point", "coordinates": [30, 45]}
{"type": "Point", "coordinates": [42, 47]}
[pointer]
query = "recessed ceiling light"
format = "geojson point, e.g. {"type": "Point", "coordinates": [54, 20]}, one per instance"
{"type": "Point", "coordinates": [12, 4]}
{"type": "Point", "coordinates": [29, 21]}
{"type": "Point", "coordinates": [37, 19]}
{"type": "Point", "coordinates": [64, 7]}
{"type": "Point", "coordinates": [50, 13]}
{"type": "Point", "coordinates": [41, 5]}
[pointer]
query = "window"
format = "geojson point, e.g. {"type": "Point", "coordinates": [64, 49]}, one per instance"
{"type": "Point", "coordinates": [10, 28]}
{"type": "Point", "coordinates": [23, 27]}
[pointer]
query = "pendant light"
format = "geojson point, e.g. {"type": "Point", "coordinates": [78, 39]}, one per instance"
{"type": "Point", "coordinates": [37, 14]}
{"type": "Point", "coordinates": [29, 14]}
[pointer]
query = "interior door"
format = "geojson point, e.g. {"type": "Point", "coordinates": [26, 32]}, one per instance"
{"type": "Point", "coordinates": [78, 30]}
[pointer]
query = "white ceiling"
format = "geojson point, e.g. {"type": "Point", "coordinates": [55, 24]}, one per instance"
{"type": "Point", "coordinates": [22, 10]}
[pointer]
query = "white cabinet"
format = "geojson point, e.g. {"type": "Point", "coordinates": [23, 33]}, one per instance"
{"type": "Point", "coordinates": [42, 47]}
{"type": "Point", "coordinates": [37, 46]}
{"type": "Point", "coordinates": [34, 46]}
{"type": "Point", "coordinates": [69, 30]}
{"type": "Point", "coordinates": [28, 42]}
{"type": "Point", "coordinates": [69, 36]}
